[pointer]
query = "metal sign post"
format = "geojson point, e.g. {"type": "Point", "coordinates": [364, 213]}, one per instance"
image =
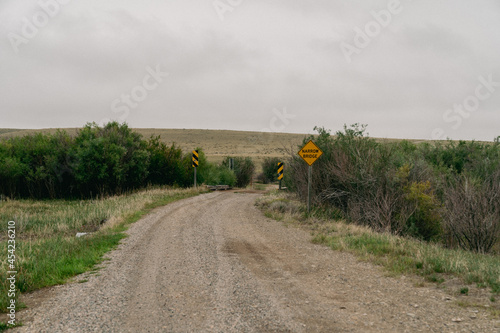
{"type": "Point", "coordinates": [310, 153]}
{"type": "Point", "coordinates": [195, 177]}
{"type": "Point", "coordinates": [309, 181]}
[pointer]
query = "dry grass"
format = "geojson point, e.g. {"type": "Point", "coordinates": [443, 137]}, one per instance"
{"type": "Point", "coordinates": [8, 130]}
{"type": "Point", "coordinates": [42, 219]}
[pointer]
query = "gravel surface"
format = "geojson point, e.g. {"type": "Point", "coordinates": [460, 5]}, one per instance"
{"type": "Point", "coordinates": [214, 263]}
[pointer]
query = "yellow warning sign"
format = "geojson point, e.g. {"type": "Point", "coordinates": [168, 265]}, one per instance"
{"type": "Point", "coordinates": [280, 170]}
{"type": "Point", "coordinates": [195, 159]}
{"type": "Point", "coordinates": [310, 152]}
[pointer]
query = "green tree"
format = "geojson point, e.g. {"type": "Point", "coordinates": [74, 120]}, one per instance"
{"type": "Point", "coordinates": [165, 167]}
{"type": "Point", "coordinates": [109, 160]}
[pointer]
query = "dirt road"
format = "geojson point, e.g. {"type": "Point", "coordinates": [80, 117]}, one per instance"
{"type": "Point", "coordinates": [214, 263]}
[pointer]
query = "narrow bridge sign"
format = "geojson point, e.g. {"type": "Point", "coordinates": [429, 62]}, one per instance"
{"type": "Point", "coordinates": [310, 153]}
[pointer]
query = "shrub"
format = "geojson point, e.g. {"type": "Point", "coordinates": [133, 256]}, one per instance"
{"type": "Point", "coordinates": [425, 220]}
{"type": "Point", "coordinates": [219, 175]}
{"type": "Point", "coordinates": [165, 164]}
{"type": "Point", "coordinates": [109, 160]}
{"type": "Point", "coordinates": [472, 212]}
{"type": "Point", "coordinates": [97, 161]}
{"type": "Point", "coordinates": [244, 169]}
{"type": "Point", "coordinates": [270, 170]}
{"type": "Point", "coordinates": [36, 166]}
{"type": "Point", "coordinates": [402, 187]}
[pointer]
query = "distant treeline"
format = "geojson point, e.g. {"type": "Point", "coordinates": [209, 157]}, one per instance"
{"type": "Point", "coordinates": [447, 192]}
{"type": "Point", "coordinates": [102, 161]}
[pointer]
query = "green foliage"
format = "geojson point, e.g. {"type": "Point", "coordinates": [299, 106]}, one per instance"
{"type": "Point", "coordinates": [218, 175]}
{"type": "Point", "coordinates": [109, 160]}
{"type": "Point", "coordinates": [100, 161]}
{"type": "Point", "coordinates": [425, 222]}
{"type": "Point", "coordinates": [205, 170]}
{"type": "Point", "coordinates": [244, 169]}
{"type": "Point", "coordinates": [165, 164]}
{"type": "Point", "coordinates": [270, 170]}
{"type": "Point", "coordinates": [35, 165]}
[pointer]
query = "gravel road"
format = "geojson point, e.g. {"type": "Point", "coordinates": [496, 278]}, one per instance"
{"type": "Point", "coordinates": [214, 263]}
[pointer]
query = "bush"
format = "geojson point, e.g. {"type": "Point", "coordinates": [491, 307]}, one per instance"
{"type": "Point", "coordinates": [109, 160]}
{"type": "Point", "coordinates": [165, 164]}
{"type": "Point", "coordinates": [425, 221]}
{"type": "Point", "coordinates": [402, 187]}
{"type": "Point", "coordinates": [269, 170]}
{"type": "Point", "coordinates": [244, 169]}
{"type": "Point", "coordinates": [98, 161]}
{"type": "Point", "coordinates": [36, 166]}
{"type": "Point", "coordinates": [472, 215]}
{"type": "Point", "coordinates": [219, 175]}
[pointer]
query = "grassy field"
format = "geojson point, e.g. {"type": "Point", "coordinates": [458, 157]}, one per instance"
{"type": "Point", "coordinates": [9, 131]}
{"type": "Point", "coordinates": [462, 272]}
{"type": "Point", "coordinates": [47, 251]}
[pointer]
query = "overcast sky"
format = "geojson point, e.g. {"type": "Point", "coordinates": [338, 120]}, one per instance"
{"type": "Point", "coordinates": [409, 69]}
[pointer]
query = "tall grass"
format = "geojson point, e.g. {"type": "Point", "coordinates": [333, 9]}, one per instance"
{"type": "Point", "coordinates": [47, 251]}
{"type": "Point", "coordinates": [40, 219]}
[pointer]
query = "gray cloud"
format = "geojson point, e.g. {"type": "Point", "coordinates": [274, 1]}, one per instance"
{"type": "Point", "coordinates": [231, 74]}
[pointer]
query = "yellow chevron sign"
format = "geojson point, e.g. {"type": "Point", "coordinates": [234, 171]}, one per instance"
{"type": "Point", "coordinates": [195, 159]}
{"type": "Point", "coordinates": [280, 171]}
{"type": "Point", "coordinates": [310, 153]}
